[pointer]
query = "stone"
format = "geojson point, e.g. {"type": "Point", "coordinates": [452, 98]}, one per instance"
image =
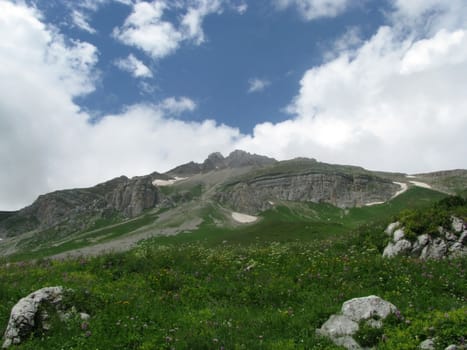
{"type": "Point", "coordinates": [398, 234]}
{"type": "Point", "coordinates": [450, 236]}
{"type": "Point", "coordinates": [338, 326]}
{"type": "Point", "coordinates": [451, 347]}
{"type": "Point", "coordinates": [365, 308]}
{"type": "Point", "coordinates": [437, 249]}
{"type": "Point", "coordinates": [420, 243]}
{"type": "Point", "coordinates": [347, 342]}
{"type": "Point", "coordinates": [463, 238]}
{"type": "Point", "coordinates": [402, 247]}
{"type": "Point", "coordinates": [427, 344]}
{"type": "Point", "coordinates": [391, 228]}
{"type": "Point", "coordinates": [457, 250]}
{"type": "Point", "coordinates": [457, 224]}
{"type": "Point", "coordinates": [26, 312]}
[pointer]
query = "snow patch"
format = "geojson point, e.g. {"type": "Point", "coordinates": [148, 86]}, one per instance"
{"type": "Point", "coordinates": [403, 186]}
{"type": "Point", "coordinates": [420, 184]}
{"type": "Point", "coordinates": [169, 182]}
{"type": "Point", "coordinates": [244, 218]}
{"type": "Point", "coordinates": [410, 176]}
{"type": "Point", "coordinates": [373, 203]}
{"type": "Point", "coordinates": [271, 202]}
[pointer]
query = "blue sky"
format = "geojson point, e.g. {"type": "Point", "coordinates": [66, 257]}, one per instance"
{"type": "Point", "coordinates": [262, 43]}
{"type": "Point", "coordinates": [92, 89]}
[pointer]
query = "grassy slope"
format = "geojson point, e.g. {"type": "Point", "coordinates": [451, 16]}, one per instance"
{"type": "Point", "coordinates": [256, 296]}
{"type": "Point", "coordinates": [291, 221]}
{"type": "Point", "coordinates": [195, 292]}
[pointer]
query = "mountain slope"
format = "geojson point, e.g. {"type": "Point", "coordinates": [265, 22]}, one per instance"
{"type": "Point", "coordinates": [195, 197]}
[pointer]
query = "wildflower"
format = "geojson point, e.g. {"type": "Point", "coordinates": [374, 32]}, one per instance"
{"type": "Point", "coordinates": [84, 326]}
{"type": "Point", "coordinates": [87, 334]}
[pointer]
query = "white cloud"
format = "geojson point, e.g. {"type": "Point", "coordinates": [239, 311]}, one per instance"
{"type": "Point", "coordinates": [81, 21]}
{"type": "Point", "coordinates": [242, 8]}
{"type": "Point", "coordinates": [313, 9]}
{"type": "Point", "coordinates": [257, 85]}
{"type": "Point", "coordinates": [47, 142]}
{"type": "Point", "coordinates": [134, 66]}
{"type": "Point", "coordinates": [176, 106]}
{"type": "Point", "coordinates": [395, 102]}
{"type": "Point", "coordinates": [146, 29]}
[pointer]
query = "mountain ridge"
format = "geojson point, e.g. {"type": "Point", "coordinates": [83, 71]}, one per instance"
{"type": "Point", "coordinates": [242, 182]}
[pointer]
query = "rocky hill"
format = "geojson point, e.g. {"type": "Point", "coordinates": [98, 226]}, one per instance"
{"type": "Point", "coordinates": [240, 182]}
{"type": "Point", "coordinates": [77, 209]}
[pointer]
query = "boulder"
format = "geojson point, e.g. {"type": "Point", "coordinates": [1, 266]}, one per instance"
{"type": "Point", "coordinates": [366, 308]}
{"type": "Point", "coordinates": [391, 228]}
{"type": "Point", "coordinates": [342, 327]}
{"type": "Point", "coordinates": [457, 250]}
{"type": "Point", "coordinates": [398, 234]}
{"type": "Point", "coordinates": [420, 243]}
{"type": "Point", "coordinates": [457, 224]}
{"type": "Point", "coordinates": [402, 247]}
{"type": "Point", "coordinates": [463, 238]}
{"type": "Point", "coordinates": [427, 344]}
{"type": "Point", "coordinates": [437, 249]}
{"type": "Point", "coordinates": [337, 326]}
{"type": "Point", "coordinates": [27, 315]}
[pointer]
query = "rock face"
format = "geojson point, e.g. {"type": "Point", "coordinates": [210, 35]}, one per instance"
{"type": "Point", "coordinates": [216, 161]}
{"type": "Point", "coordinates": [340, 189]}
{"type": "Point", "coordinates": [450, 243]}
{"type": "Point", "coordinates": [341, 328]}
{"type": "Point", "coordinates": [26, 315]}
{"type": "Point", "coordinates": [77, 209]}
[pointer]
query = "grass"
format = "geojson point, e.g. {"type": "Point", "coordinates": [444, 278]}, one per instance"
{"type": "Point", "coordinates": [262, 286]}
{"type": "Point", "coordinates": [44, 248]}
{"type": "Point", "coordinates": [260, 296]}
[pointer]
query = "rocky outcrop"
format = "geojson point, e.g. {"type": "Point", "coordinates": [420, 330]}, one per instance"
{"type": "Point", "coordinates": [448, 243]}
{"type": "Point", "coordinates": [340, 189]}
{"type": "Point", "coordinates": [341, 328]}
{"type": "Point", "coordinates": [29, 314]}
{"type": "Point", "coordinates": [77, 209]}
{"type": "Point", "coordinates": [429, 344]}
{"type": "Point", "coordinates": [216, 161]}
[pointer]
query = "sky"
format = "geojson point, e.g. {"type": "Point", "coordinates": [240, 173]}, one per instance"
{"type": "Point", "coordinates": [94, 89]}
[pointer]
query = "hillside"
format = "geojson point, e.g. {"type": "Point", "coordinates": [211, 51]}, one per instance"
{"type": "Point", "coordinates": [166, 261]}
{"type": "Point", "coordinates": [268, 286]}
{"type": "Point", "coordinates": [116, 214]}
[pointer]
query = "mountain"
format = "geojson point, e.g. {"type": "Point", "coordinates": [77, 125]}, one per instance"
{"type": "Point", "coordinates": [195, 194]}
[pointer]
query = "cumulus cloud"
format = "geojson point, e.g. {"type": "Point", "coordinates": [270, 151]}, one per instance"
{"type": "Point", "coordinates": [48, 143]}
{"type": "Point", "coordinates": [395, 102]}
{"type": "Point", "coordinates": [146, 28]}
{"type": "Point", "coordinates": [257, 85]}
{"type": "Point", "coordinates": [134, 66]}
{"type": "Point", "coordinates": [313, 9]}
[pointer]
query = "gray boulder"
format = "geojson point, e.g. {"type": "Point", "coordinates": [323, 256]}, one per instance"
{"type": "Point", "coordinates": [26, 312]}
{"type": "Point", "coordinates": [359, 309]}
{"type": "Point", "coordinates": [342, 327]}
{"type": "Point", "coordinates": [420, 243]}
{"type": "Point", "coordinates": [427, 344]}
{"type": "Point", "coordinates": [398, 234]}
{"type": "Point", "coordinates": [457, 224]}
{"type": "Point", "coordinates": [392, 227]}
{"type": "Point", "coordinates": [401, 247]}
{"type": "Point", "coordinates": [436, 250]}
